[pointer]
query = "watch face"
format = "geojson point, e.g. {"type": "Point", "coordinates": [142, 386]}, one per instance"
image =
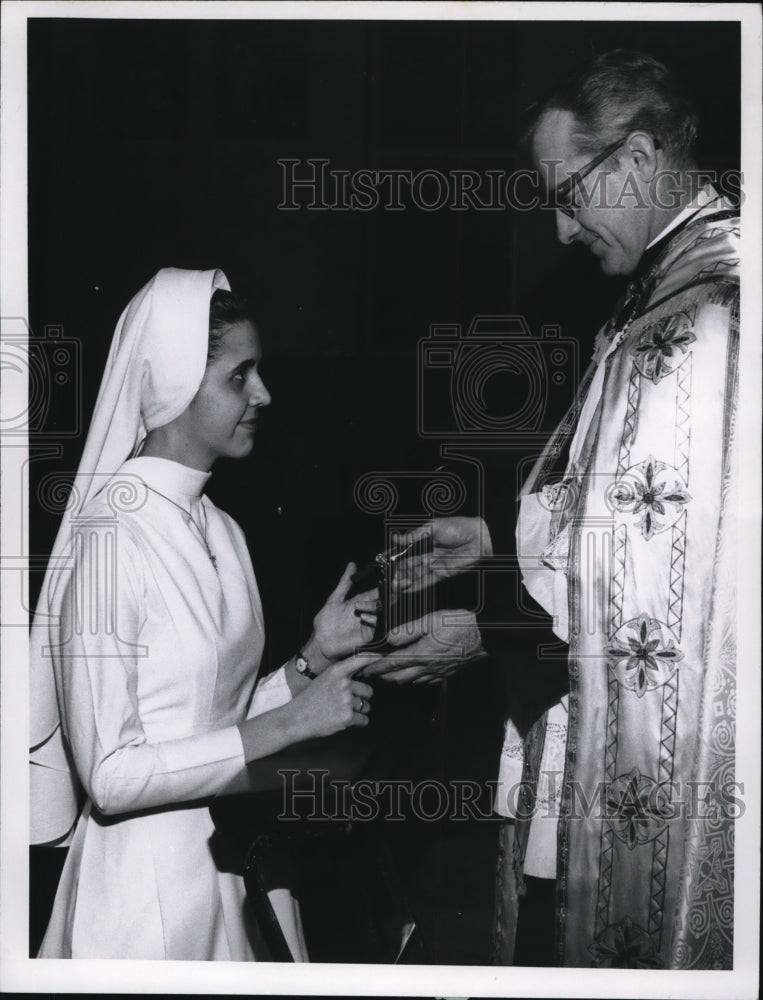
{"type": "Point", "coordinates": [303, 667]}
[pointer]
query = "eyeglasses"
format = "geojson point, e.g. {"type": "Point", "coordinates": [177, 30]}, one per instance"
{"type": "Point", "coordinates": [562, 195]}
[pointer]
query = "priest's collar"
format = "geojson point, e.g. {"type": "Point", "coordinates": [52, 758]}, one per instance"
{"type": "Point", "coordinates": [679, 222]}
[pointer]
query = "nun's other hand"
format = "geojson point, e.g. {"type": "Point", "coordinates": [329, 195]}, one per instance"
{"type": "Point", "coordinates": [341, 626]}
{"type": "Point", "coordinates": [334, 701]}
{"type": "Point", "coordinates": [429, 650]}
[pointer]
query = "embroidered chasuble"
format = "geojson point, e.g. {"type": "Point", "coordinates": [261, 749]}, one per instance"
{"type": "Point", "coordinates": [633, 553]}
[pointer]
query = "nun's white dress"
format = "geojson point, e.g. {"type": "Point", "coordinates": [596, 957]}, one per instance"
{"type": "Point", "coordinates": [149, 701]}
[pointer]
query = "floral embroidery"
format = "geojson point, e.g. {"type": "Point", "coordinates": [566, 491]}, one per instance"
{"type": "Point", "coordinates": [625, 946]}
{"type": "Point", "coordinates": [559, 496]}
{"type": "Point", "coordinates": [638, 808]}
{"type": "Point", "coordinates": [653, 490]}
{"type": "Point", "coordinates": [643, 655]}
{"type": "Point", "coordinates": [655, 348]}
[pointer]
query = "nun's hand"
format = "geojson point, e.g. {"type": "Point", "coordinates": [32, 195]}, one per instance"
{"type": "Point", "coordinates": [342, 625]}
{"type": "Point", "coordinates": [335, 700]}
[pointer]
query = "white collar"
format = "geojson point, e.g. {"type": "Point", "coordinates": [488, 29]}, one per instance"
{"type": "Point", "coordinates": [704, 196]}
{"type": "Point", "coordinates": [167, 476]}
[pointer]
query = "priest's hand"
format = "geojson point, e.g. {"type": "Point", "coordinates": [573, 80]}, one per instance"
{"type": "Point", "coordinates": [429, 650]}
{"type": "Point", "coordinates": [457, 545]}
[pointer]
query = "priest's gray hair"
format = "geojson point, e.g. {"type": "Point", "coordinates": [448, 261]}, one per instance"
{"type": "Point", "coordinates": [620, 92]}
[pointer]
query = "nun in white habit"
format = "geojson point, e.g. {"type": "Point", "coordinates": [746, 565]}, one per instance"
{"type": "Point", "coordinates": [147, 641]}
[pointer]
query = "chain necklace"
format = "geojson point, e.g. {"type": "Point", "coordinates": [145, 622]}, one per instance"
{"type": "Point", "coordinates": [202, 532]}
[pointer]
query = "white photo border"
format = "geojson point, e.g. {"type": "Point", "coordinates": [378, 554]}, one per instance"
{"type": "Point", "coordinates": [20, 973]}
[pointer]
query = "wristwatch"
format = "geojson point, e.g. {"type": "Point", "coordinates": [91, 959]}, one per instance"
{"type": "Point", "coordinates": [303, 667]}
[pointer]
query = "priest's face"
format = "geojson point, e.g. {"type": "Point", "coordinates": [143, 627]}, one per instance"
{"type": "Point", "coordinates": [610, 211]}
{"type": "Point", "coordinates": [221, 419]}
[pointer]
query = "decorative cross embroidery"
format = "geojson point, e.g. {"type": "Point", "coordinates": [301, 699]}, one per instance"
{"type": "Point", "coordinates": [638, 808]}
{"type": "Point", "coordinates": [653, 490]}
{"type": "Point", "coordinates": [642, 655]}
{"type": "Point", "coordinates": [659, 342]}
{"type": "Point", "coordinates": [710, 870]}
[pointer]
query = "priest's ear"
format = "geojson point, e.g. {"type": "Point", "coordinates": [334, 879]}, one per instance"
{"type": "Point", "coordinates": [640, 153]}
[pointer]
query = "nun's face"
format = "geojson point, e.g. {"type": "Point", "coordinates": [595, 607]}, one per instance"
{"type": "Point", "coordinates": [221, 419]}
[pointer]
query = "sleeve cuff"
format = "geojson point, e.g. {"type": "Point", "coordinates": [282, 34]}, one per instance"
{"type": "Point", "coordinates": [270, 693]}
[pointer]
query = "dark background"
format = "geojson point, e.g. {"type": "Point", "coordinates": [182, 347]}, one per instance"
{"type": "Point", "coordinates": [155, 143]}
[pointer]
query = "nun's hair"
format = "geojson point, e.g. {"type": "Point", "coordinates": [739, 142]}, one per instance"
{"type": "Point", "coordinates": [622, 91]}
{"type": "Point", "coordinates": [225, 310]}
